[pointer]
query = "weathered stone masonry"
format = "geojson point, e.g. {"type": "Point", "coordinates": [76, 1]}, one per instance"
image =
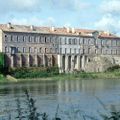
{"type": "Point", "coordinates": [69, 49]}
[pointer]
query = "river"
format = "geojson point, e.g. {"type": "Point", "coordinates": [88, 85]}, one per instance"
{"type": "Point", "coordinates": [85, 96]}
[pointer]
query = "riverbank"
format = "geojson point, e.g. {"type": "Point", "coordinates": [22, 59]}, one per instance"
{"type": "Point", "coordinates": [79, 76]}
{"type": "Point", "coordinates": [75, 76]}
{"type": "Point", "coordinates": [37, 74]}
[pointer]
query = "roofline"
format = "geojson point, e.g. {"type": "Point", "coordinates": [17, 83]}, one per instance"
{"type": "Point", "coordinates": [36, 32]}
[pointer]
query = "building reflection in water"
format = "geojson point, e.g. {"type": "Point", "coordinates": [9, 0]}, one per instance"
{"type": "Point", "coordinates": [58, 87]}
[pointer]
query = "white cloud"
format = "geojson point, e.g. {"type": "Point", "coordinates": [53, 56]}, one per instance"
{"type": "Point", "coordinates": [111, 6]}
{"type": "Point", "coordinates": [50, 21]}
{"type": "Point", "coordinates": [110, 20]}
{"type": "Point", "coordinates": [8, 6]}
{"type": "Point", "coordinates": [108, 23]}
{"type": "Point", "coordinates": [70, 4]}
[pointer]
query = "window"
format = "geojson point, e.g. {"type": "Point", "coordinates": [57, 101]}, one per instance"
{"type": "Point", "coordinates": [29, 39]}
{"type": "Point", "coordinates": [65, 40]}
{"type": "Point", "coordinates": [114, 43]}
{"type": "Point", "coordinates": [106, 51]}
{"type": "Point", "coordinates": [24, 50]}
{"type": "Point", "coordinates": [39, 39]}
{"type": "Point", "coordinates": [30, 50]}
{"type": "Point", "coordinates": [65, 50]}
{"type": "Point", "coordinates": [89, 41]}
{"type": "Point", "coordinates": [74, 41]}
{"type": "Point", "coordinates": [56, 50]}
{"type": "Point", "coordinates": [6, 49]}
{"type": "Point", "coordinates": [6, 38]}
{"type": "Point", "coordinates": [70, 41]}
{"type": "Point", "coordinates": [88, 50]}
{"type": "Point", "coordinates": [17, 39]}
{"type": "Point", "coordinates": [11, 38]}
{"type": "Point", "coordinates": [35, 39]}
{"type": "Point", "coordinates": [50, 39]}
{"type": "Point", "coordinates": [83, 51]}
{"type": "Point", "coordinates": [75, 50]}
{"type": "Point", "coordinates": [81, 41]}
{"type": "Point", "coordinates": [79, 51]}
{"type": "Point", "coordinates": [70, 50]}
{"type": "Point", "coordinates": [60, 40]}
{"type": "Point", "coordinates": [60, 50]}
{"type": "Point", "coordinates": [45, 40]}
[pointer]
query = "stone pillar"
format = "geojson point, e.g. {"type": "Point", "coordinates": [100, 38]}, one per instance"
{"type": "Point", "coordinates": [78, 63]}
{"type": "Point", "coordinates": [87, 59]}
{"type": "Point", "coordinates": [12, 61]}
{"type": "Point", "coordinates": [83, 62]}
{"type": "Point", "coordinates": [44, 60]}
{"type": "Point", "coordinates": [52, 57]}
{"type": "Point", "coordinates": [66, 63]}
{"type": "Point", "coordinates": [36, 60]}
{"type": "Point", "coordinates": [60, 63]}
{"type": "Point", "coordinates": [20, 60]}
{"type": "Point", "coordinates": [28, 60]}
{"type": "Point", "coordinates": [72, 62]}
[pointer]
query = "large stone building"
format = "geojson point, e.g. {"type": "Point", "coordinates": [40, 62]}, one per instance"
{"type": "Point", "coordinates": [68, 48]}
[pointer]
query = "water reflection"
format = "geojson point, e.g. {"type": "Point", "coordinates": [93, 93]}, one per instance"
{"type": "Point", "coordinates": [58, 87]}
{"type": "Point", "coordinates": [49, 94]}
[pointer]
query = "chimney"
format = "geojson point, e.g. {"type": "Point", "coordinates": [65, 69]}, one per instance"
{"type": "Point", "coordinates": [31, 27]}
{"type": "Point", "coordinates": [68, 29]}
{"type": "Point", "coordinates": [73, 30]}
{"type": "Point", "coordinates": [52, 29]}
{"type": "Point", "coordinates": [9, 25]}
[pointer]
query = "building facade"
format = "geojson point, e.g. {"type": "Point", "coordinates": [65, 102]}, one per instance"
{"type": "Point", "coordinates": [68, 48]}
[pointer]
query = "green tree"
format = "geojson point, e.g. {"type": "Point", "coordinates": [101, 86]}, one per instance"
{"type": "Point", "coordinates": [1, 62]}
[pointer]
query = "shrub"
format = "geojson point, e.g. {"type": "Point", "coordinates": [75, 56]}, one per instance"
{"type": "Point", "coordinates": [34, 72]}
{"type": "Point", "coordinates": [113, 68]}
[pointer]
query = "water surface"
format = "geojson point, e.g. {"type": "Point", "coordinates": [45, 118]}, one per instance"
{"type": "Point", "coordinates": [68, 94]}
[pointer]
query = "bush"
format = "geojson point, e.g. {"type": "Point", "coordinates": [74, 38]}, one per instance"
{"type": "Point", "coordinates": [1, 63]}
{"type": "Point", "coordinates": [113, 68]}
{"type": "Point", "coordinates": [34, 72]}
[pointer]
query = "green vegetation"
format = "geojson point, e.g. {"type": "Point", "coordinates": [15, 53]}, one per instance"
{"type": "Point", "coordinates": [39, 72]}
{"type": "Point", "coordinates": [52, 73]}
{"type": "Point", "coordinates": [2, 77]}
{"type": "Point", "coordinates": [1, 63]}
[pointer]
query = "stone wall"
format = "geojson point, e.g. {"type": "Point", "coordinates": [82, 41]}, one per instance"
{"type": "Point", "coordinates": [101, 63]}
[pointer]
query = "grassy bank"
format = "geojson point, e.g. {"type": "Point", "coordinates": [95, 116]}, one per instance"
{"type": "Point", "coordinates": [36, 74]}
{"type": "Point", "coordinates": [52, 74]}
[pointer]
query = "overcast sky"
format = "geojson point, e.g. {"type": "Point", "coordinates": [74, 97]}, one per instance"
{"type": "Point", "coordinates": [91, 14]}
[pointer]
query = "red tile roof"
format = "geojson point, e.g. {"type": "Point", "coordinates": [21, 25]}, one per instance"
{"type": "Point", "coordinates": [61, 31]}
